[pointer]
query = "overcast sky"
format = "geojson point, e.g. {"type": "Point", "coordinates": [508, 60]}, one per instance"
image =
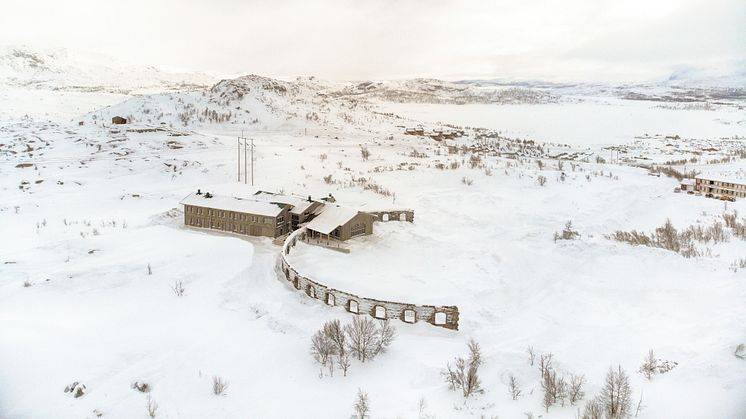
{"type": "Point", "coordinates": [620, 40]}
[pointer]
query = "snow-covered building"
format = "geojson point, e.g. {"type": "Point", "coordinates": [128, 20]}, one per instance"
{"type": "Point", "coordinates": [341, 223]}
{"type": "Point", "coordinates": [252, 217]}
{"type": "Point", "coordinates": [687, 184]}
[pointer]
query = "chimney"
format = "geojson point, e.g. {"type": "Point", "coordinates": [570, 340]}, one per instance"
{"type": "Point", "coordinates": [309, 198]}
{"type": "Point", "coordinates": [199, 192]}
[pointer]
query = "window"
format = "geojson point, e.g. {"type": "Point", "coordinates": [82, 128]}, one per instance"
{"type": "Point", "coordinates": [352, 306]}
{"type": "Point", "coordinates": [409, 316]}
{"type": "Point", "coordinates": [379, 312]}
{"type": "Point", "coordinates": [357, 230]}
{"type": "Point", "coordinates": [440, 318]}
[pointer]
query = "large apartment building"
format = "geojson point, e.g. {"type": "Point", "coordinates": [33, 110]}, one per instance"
{"type": "Point", "coordinates": [274, 215]}
{"type": "Point", "coordinates": [237, 215]}
{"type": "Point", "coordinates": [720, 186]}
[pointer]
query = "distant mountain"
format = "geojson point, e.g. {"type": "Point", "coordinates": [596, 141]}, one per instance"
{"type": "Point", "coordinates": [60, 69]}
{"type": "Point", "coordinates": [440, 91]}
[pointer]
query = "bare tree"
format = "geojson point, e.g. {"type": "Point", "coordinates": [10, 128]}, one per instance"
{"type": "Point", "coordinates": [649, 366]}
{"type": "Point", "coordinates": [322, 347]}
{"type": "Point", "coordinates": [545, 363]}
{"type": "Point", "coordinates": [515, 389]}
{"type": "Point", "coordinates": [531, 355]}
{"type": "Point", "coordinates": [386, 335]}
{"type": "Point", "coordinates": [616, 395]}
{"type": "Point", "coordinates": [362, 405]}
{"type": "Point", "coordinates": [334, 331]}
{"type": "Point", "coordinates": [343, 361]}
{"type": "Point", "coordinates": [362, 336]}
{"type": "Point", "coordinates": [150, 270]}
{"type": "Point", "coordinates": [575, 390]}
{"type": "Point", "coordinates": [219, 385]}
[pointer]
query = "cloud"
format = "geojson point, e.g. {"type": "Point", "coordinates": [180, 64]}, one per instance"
{"type": "Point", "coordinates": [346, 39]}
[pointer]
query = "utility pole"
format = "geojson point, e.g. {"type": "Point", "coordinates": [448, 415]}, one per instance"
{"type": "Point", "coordinates": [245, 160]}
{"type": "Point", "coordinates": [252, 161]}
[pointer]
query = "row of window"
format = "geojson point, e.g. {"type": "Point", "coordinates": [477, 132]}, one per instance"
{"type": "Point", "coordinates": [234, 227]}
{"type": "Point", "coordinates": [230, 215]}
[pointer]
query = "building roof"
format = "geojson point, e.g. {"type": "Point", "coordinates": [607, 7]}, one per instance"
{"type": "Point", "coordinates": [299, 205]}
{"type": "Point", "coordinates": [229, 203]}
{"type": "Point", "coordinates": [687, 182]}
{"type": "Point", "coordinates": [720, 178]}
{"type": "Point", "coordinates": [331, 217]}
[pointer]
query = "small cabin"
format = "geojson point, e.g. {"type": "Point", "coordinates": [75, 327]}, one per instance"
{"type": "Point", "coordinates": [118, 120]}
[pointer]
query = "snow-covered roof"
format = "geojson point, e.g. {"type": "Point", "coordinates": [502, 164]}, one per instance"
{"type": "Point", "coordinates": [299, 205]}
{"type": "Point", "coordinates": [721, 178]}
{"type": "Point", "coordinates": [230, 203]}
{"type": "Point", "coordinates": [330, 218]}
{"type": "Point", "coordinates": [687, 181]}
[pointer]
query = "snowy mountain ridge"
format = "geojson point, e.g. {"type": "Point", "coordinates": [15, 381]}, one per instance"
{"type": "Point", "coordinates": [61, 69]}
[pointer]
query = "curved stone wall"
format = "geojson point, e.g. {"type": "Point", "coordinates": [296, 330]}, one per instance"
{"type": "Point", "coordinates": [393, 215]}
{"type": "Point", "coordinates": [442, 316]}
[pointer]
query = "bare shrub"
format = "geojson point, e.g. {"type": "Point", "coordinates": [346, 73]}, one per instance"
{"type": "Point", "coordinates": [740, 351]}
{"type": "Point", "coordinates": [531, 355]}
{"type": "Point", "coordinates": [542, 180]}
{"type": "Point", "coordinates": [364, 152]}
{"type": "Point", "coordinates": [27, 284]}
{"type": "Point", "coordinates": [515, 389]}
{"type": "Point", "coordinates": [328, 179]}
{"type": "Point", "coordinates": [545, 363]}
{"type": "Point", "coordinates": [568, 233]}
{"type": "Point", "coordinates": [178, 289]}
{"type": "Point", "coordinates": [151, 406]}
{"type": "Point", "coordinates": [664, 237]}
{"type": "Point", "coordinates": [323, 157]}
{"type": "Point", "coordinates": [150, 270]}
{"type": "Point", "coordinates": [219, 385]}
{"type": "Point", "coordinates": [593, 410]}
{"type": "Point", "coordinates": [466, 181]}
{"type": "Point", "coordinates": [475, 160]}
{"type": "Point", "coordinates": [386, 335]}
{"type": "Point", "coordinates": [362, 405]}
{"type": "Point", "coordinates": [141, 387]}
{"type": "Point", "coordinates": [649, 366]}
{"type": "Point", "coordinates": [464, 374]}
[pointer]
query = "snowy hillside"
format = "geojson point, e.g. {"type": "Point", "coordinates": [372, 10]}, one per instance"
{"type": "Point", "coordinates": [60, 69]}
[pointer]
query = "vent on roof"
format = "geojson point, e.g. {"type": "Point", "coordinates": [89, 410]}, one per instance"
{"type": "Point", "coordinates": [208, 195]}
{"type": "Point", "coordinates": [199, 192]}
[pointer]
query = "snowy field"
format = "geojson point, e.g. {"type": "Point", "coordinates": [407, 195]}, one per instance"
{"type": "Point", "coordinates": [98, 210]}
{"type": "Point", "coordinates": [590, 122]}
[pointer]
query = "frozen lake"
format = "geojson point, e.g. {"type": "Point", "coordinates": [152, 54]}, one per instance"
{"type": "Point", "coordinates": [594, 121]}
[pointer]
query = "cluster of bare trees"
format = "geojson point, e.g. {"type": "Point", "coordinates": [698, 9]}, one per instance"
{"type": "Point", "coordinates": [334, 344]}
{"type": "Point", "coordinates": [615, 399]}
{"type": "Point", "coordinates": [557, 388]}
{"type": "Point", "coordinates": [463, 375]}
{"type": "Point", "coordinates": [568, 233]}
{"type": "Point", "coordinates": [667, 237]}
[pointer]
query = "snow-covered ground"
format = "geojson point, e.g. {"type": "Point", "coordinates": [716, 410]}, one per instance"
{"type": "Point", "coordinates": [98, 208]}
{"type": "Point", "coordinates": [592, 121]}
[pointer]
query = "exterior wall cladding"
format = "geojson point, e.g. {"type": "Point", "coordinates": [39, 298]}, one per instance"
{"type": "Point", "coordinates": [238, 222]}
